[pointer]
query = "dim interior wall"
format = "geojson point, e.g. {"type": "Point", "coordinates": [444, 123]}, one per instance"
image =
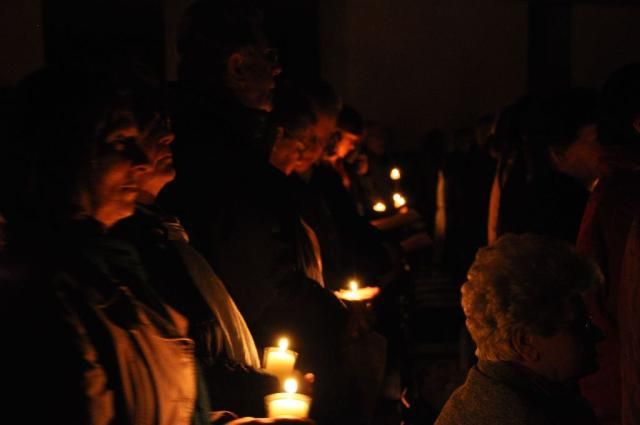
{"type": "Point", "coordinates": [21, 39]}
{"type": "Point", "coordinates": [604, 37]}
{"type": "Point", "coordinates": [414, 65]}
{"type": "Point", "coordinates": [173, 11]}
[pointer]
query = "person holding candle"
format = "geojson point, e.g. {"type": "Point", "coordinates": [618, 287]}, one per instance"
{"type": "Point", "coordinates": [224, 345]}
{"type": "Point", "coordinates": [245, 224]}
{"type": "Point", "coordinates": [524, 310]}
{"type": "Point", "coordinates": [359, 364]}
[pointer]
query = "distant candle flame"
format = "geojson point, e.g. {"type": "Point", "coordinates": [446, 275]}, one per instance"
{"type": "Point", "coordinates": [283, 343]}
{"type": "Point", "coordinates": [353, 285]}
{"type": "Point", "coordinates": [399, 200]}
{"type": "Point", "coordinates": [290, 385]}
{"type": "Point", "coordinates": [379, 207]}
{"type": "Point", "coordinates": [395, 174]}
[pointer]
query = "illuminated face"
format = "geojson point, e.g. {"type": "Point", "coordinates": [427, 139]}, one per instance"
{"type": "Point", "coordinates": [289, 149]}
{"type": "Point", "coordinates": [119, 166]}
{"type": "Point", "coordinates": [322, 131]}
{"type": "Point", "coordinates": [155, 143]}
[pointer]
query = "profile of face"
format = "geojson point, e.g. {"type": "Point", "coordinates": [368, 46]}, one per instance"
{"type": "Point", "coordinates": [289, 149]}
{"type": "Point", "coordinates": [580, 159]}
{"type": "Point", "coordinates": [570, 353]}
{"type": "Point", "coordinates": [251, 74]}
{"type": "Point", "coordinates": [155, 141]}
{"type": "Point", "coordinates": [316, 144]}
{"type": "Point", "coordinates": [119, 167]}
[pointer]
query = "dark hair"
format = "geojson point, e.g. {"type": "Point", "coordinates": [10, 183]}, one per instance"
{"type": "Point", "coordinates": [324, 98]}
{"type": "Point", "coordinates": [350, 120]}
{"type": "Point", "coordinates": [619, 103]}
{"type": "Point", "coordinates": [511, 126]}
{"type": "Point", "coordinates": [212, 30]}
{"type": "Point", "coordinates": [293, 109]}
{"type": "Point", "coordinates": [559, 118]}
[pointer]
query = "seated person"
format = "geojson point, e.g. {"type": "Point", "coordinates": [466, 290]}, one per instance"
{"type": "Point", "coordinates": [524, 311]}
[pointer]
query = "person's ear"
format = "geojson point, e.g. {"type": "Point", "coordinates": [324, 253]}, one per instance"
{"type": "Point", "coordinates": [236, 68]}
{"type": "Point", "coordinates": [636, 123]}
{"type": "Point", "coordinates": [523, 342]}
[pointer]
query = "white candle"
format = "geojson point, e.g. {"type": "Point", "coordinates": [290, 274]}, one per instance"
{"type": "Point", "coordinates": [289, 403]}
{"type": "Point", "coordinates": [356, 293]}
{"type": "Point", "coordinates": [395, 174]}
{"type": "Point", "coordinates": [280, 361]}
{"type": "Point", "coordinates": [379, 207]}
{"type": "Point", "coordinates": [399, 200]}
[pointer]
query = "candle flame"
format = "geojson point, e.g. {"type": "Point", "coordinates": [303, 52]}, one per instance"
{"type": "Point", "coordinates": [290, 385]}
{"type": "Point", "coordinates": [379, 207]}
{"type": "Point", "coordinates": [395, 174]}
{"type": "Point", "coordinates": [398, 200]}
{"type": "Point", "coordinates": [283, 343]}
{"type": "Point", "coordinates": [353, 285]}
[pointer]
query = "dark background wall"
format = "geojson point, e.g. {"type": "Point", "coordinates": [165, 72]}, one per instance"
{"type": "Point", "coordinates": [410, 64]}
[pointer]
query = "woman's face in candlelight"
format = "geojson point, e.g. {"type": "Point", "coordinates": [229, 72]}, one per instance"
{"type": "Point", "coordinates": [119, 166]}
{"type": "Point", "coordinates": [155, 142]}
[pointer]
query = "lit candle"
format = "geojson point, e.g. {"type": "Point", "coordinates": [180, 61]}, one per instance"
{"type": "Point", "coordinates": [379, 207]}
{"type": "Point", "coordinates": [356, 293]}
{"type": "Point", "coordinates": [289, 403]}
{"type": "Point", "coordinates": [395, 174]}
{"type": "Point", "coordinates": [398, 200]}
{"type": "Point", "coordinates": [279, 361]}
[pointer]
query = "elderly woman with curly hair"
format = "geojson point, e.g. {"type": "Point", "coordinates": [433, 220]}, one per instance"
{"type": "Point", "coordinates": [524, 311]}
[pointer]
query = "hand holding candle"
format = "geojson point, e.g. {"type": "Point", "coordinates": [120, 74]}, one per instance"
{"type": "Point", "coordinates": [288, 403]}
{"type": "Point", "coordinates": [280, 361]}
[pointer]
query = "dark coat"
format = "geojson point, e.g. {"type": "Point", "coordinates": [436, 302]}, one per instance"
{"type": "Point", "coordinates": [240, 214]}
{"type": "Point", "coordinates": [90, 333]}
{"type": "Point", "coordinates": [506, 394]}
{"type": "Point", "coordinates": [604, 235]}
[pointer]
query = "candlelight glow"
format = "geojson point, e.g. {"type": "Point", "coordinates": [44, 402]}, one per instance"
{"type": "Point", "coordinates": [395, 174]}
{"type": "Point", "coordinates": [399, 200]}
{"type": "Point", "coordinates": [290, 385]}
{"type": "Point", "coordinates": [353, 285]}
{"type": "Point", "coordinates": [379, 207]}
{"type": "Point", "coordinates": [283, 344]}
{"type": "Point", "coordinates": [357, 293]}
